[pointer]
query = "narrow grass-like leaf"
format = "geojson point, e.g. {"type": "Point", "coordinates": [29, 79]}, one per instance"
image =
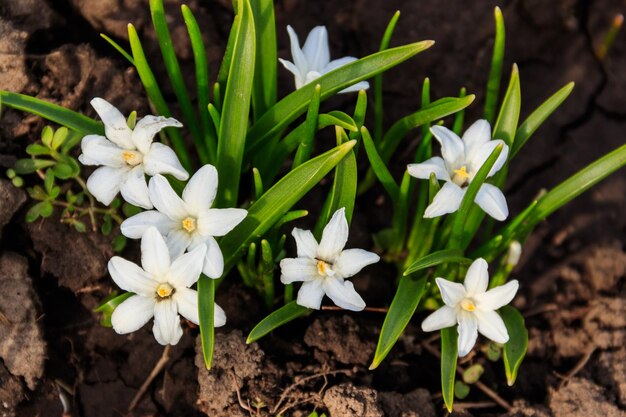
{"type": "Point", "coordinates": [495, 73]}
{"type": "Point", "coordinates": [401, 214]}
{"type": "Point", "coordinates": [222, 75]}
{"type": "Point", "coordinates": [425, 102]}
{"type": "Point", "coordinates": [268, 209]}
{"type": "Point", "coordinates": [202, 81]}
{"type": "Point", "coordinates": [408, 295]}
{"type": "Point", "coordinates": [289, 108]}
{"type": "Point", "coordinates": [378, 166]}
{"type": "Point", "coordinates": [236, 108]}
{"type": "Point", "coordinates": [536, 119]}
{"type": "Point", "coordinates": [258, 183]}
{"type": "Point", "coordinates": [53, 112]}
{"type": "Point", "coordinates": [283, 315]}
{"type": "Point", "coordinates": [154, 94]}
{"type": "Point", "coordinates": [176, 77]}
{"type": "Point", "coordinates": [310, 127]}
{"type": "Point", "coordinates": [291, 216]}
{"type": "Point", "coordinates": [118, 48]}
{"type": "Point", "coordinates": [216, 117]}
{"type": "Point", "coordinates": [449, 355]}
{"type": "Point", "coordinates": [264, 88]}
{"type": "Point", "coordinates": [437, 258]}
{"type": "Point", "coordinates": [506, 126]}
{"type": "Point", "coordinates": [459, 117]}
{"type": "Point", "coordinates": [109, 305]}
{"type": "Point", "coordinates": [378, 81]}
{"type": "Point", "coordinates": [515, 349]}
{"type": "Point", "coordinates": [206, 312]}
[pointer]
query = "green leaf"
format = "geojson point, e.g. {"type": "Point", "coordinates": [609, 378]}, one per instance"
{"type": "Point", "coordinates": [206, 312]}
{"type": "Point", "coordinates": [64, 171]}
{"type": "Point", "coordinates": [449, 355]}
{"type": "Point", "coordinates": [28, 166]}
{"type": "Point", "coordinates": [59, 137]}
{"type": "Point", "coordinates": [264, 87]}
{"type": "Point", "coordinates": [55, 113]}
{"type": "Point", "coordinates": [289, 108]}
{"type": "Point", "coordinates": [532, 123]}
{"type": "Point", "coordinates": [508, 118]}
{"type": "Point", "coordinates": [378, 80]}
{"type": "Point", "coordinates": [236, 108]}
{"type": "Point", "coordinates": [461, 390]}
{"type": "Point", "coordinates": [172, 68]}
{"type": "Point", "coordinates": [268, 209]}
{"type": "Point", "coordinates": [41, 209]}
{"type": "Point", "coordinates": [495, 72]}
{"type": "Point", "coordinates": [472, 374]}
{"type": "Point", "coordinates": [283, 315]}
{"type": "Point", "coordinates": [402, 308]}
{"type": "Point", "coordinates": [79, 226]}
{"type": "Point", "coordinates": [119, 243]}
{"type": "Point", "coordinates": [118, 48]}
{"type": "Point", "coordinates": [48, 181]}
{"type": "Point", "coordinates": [303, 153]}
{"type": "Point", "coordinates": [46, 136]}
{"type": "Point", "coordinates": [378, 166]}
{"type": "Point", "coordinates": [437, 258]}
{"type": "Point", "coordinates": [36, 149]}
{"type": "Point", "coordinates": [515, 348]}
{"type": "Point", "coordinates": [109, 305]}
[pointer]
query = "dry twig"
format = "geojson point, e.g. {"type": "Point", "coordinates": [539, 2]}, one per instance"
{"type": "Point", "coordinates": [165, 357]}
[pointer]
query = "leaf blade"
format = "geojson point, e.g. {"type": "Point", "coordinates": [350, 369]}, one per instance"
{"type": "Point", "coordinates": [283, 315]}
{"type": "Point", "coordinates": [515, 349]}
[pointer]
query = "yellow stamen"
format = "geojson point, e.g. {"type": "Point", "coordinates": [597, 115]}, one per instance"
{"type": "Point", "coordinates": [131, 157]}
{"type": "Point", "coordinates": [189, 224]}
{"type": "Point", "coordinates": [321, 267]}
{"type": "Point", "coordinates": [462, 173]}
{"type": "Point", "coordinates": [164, 290]}
{"type": "Point", "coordinates": [468, 305]}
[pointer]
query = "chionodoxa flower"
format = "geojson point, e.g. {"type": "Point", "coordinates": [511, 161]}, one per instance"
{"type": "Point", "coordinates": [189, 221]}
{"type": "Point", "coordinates": [313, 60]}
{"type": "Point", "coordinates": [461, 161]}
{"type": "Point", "coordinates": [127, 155]}
{"type": "Point", "coordinates": [472, 307]}
{"type": "Point", "coordinates": [323, 267]}
{"type": "Point", "coordinates": [161, 290]}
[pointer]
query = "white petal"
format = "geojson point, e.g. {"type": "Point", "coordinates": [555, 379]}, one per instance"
{"type": "Point", "coordinates": [497, 297]}
{"type": "Point", "coordinates": [311, 294]}
{"type": "Point", "coordinates": [134, 188]}
{"type": "Point", "coordinates": [480, 154]}
{"type": "Point", "coordinates": [434, 165]}
{"type": "Point", "coordinates": [115, 127]}
{"type": "Point", "coordinates": [166, 329]}
{"type": "Point", "coordinates": [291, 67]}
{"type": "Point", "coordinates": [305, 243]}
{"type": "Point", "coordinates": [338, 63]}
{"type": "Point", "coordinates": [104, 183]}
{"type": "Point", "coordinates": [451, 292]}
{"type": "Point", "coordinates": [439, 319]}
{"type": "Point", "coordinates": [476, 135]}
{"type": "Point", "coordinates": [361, 85]}
{"type": "Point", "coordinates": [296, 53]}
{"type": "Point", "coordinates": [477, 278]}
{"type": "Point", "coordinates": [166, 200]}
{"type": "Point", "coordinates": [298, 269]}
{"type": "Point", "coordinates": [447, 200]}
{"type": "Point", "coordinates": [491, 325]}
{"type": "Point", "coordinates": [214, 259]}
{"type": "Point", "coordinates": [134, 227]}
{"type": "Point", "coordinates": [185, 270]}
{"type": "Point", "coordinates": [316, 49]}
{"type": "Point", "coordinates": [351, 261]}
{"type": "Point", "coordinates": [201, 189]}
{"type": "Point", "coordinates": [146, 128]}
{"type": "Point", "coordinates": [161, 159]}
{"type": "Point", "coordinates": [220, 316]}
{"type": "Point", "coordinates": [130, 277]}
{"type": "Point", "coordinates": [468, 333]}
{"type": "Point", "coordinates": [452, 148]}
{"type": "Point", "coordinates": [155, 258]}
{"type": "Point", "coordinates": [218, 222]}
{"type": "Point", "coordinates": [187, 304]}
{"type": "Point", "coordinates": [177, 241]}
{"type": "Point", "coordinates": [98, 150]}
{"type": "Point", "coordinates": [492, 201]}
{"type": "Point", "coordinates": [343, 294]}
{"type": "Point", "coordinates": [132, 314]}
{"type": "Point", "coordinates": [334, 237]}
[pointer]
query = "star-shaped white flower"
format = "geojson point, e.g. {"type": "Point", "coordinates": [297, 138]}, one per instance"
{"type": "Point", "coordinates": [472, 307]}
{"type": "Point", "coordinates": [189, 221]}
{"type": "Point", "coordinates": [323, 267]}
{"type": "Point", "coordinates": [127, 155]}
{"type": "Point", "coordinates": [313, 60]}
{"type": "Point", "coordinates": [161, 290]}
{"type": "Point", "coordinates": [461, 161]}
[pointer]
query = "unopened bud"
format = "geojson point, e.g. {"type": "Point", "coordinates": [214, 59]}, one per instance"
{"type": "Point", "coordinates": [515, 251]}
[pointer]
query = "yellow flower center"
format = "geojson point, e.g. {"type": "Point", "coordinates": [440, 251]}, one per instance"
{"type": "Point", "coordinates": [460, 176]}
{"type": "Point", "coordinates": [131, 157]}
{"type": "Point", "coordinates": [165, 290]}
{"type": "Point", "coordinates": [468, 305]}
{"type": "Point", "coordinates": [189, 224]}
{"type": "Point", "coordinates": [324, 268]}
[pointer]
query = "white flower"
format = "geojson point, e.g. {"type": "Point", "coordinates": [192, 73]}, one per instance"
{"type": "Point", "coordinates": [461, 161]}
{"type": "Point", "coordinates": [161, 290]}
{"type": "Point", "coordinates": [313, 60]}
{"type": "Point", "coordinates": [472, 307]}
{"type": "Point", "coordinates": [188, 222]}
{"type": "Point", "coordinates": [127, 155]}
{"type": "Point", "coordinates": [323, 267]}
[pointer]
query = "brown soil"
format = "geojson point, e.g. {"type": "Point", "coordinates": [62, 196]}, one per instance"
{"type": "Point", "coordinates": [572, 270]}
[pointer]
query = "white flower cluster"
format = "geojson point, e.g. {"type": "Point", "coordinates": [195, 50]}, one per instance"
{"type": "Point", "coordinates": [177, 237]}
